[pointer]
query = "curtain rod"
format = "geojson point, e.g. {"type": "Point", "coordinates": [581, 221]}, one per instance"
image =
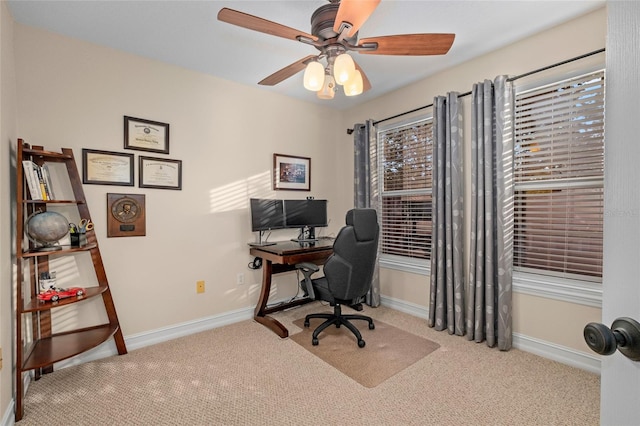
{"type": "Point", "coordinates": [586, 55]}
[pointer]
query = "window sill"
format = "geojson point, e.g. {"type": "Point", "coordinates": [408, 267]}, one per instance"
{"type": "Point", "coordinates": [566, 290]}
{"type": "Point", "coordinates": [414, 266]}
{"type": "Point", "coordinates": [573, 291]}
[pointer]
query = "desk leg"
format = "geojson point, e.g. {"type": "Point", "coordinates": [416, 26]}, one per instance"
{"type": "Point", "coordinates": [259, 313]}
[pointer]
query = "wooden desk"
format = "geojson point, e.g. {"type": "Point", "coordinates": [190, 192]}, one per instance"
{"type": "Point", "coordinates": [282, 257]}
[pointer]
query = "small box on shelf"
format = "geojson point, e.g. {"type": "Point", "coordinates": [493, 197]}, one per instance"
{"type": "Point", "coordinates": [78, 239]}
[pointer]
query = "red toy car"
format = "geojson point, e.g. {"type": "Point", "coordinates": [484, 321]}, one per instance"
{"type": "Point", "coordinates": [61, 293]}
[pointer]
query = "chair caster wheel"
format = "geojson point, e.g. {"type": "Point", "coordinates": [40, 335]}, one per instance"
{"type": "Point", "coordinates": [361, 343]}
{"type": "Point", "coordinates": [372, 326]}
{"type": "Point", "coordinates": [306, 323]}
{"type": "Point", "coordinates": [314, 342]}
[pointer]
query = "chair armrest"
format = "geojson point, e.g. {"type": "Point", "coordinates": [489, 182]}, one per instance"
{"type": "Point", "coordinates": [308, 269]}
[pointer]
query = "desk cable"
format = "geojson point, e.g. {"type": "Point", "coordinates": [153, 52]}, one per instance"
{"type": "Point", "coordinates": [296, 296]}
{"type": "Point", "coordinates": [256, 263]}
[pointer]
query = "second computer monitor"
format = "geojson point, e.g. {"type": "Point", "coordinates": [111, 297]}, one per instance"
{"type": "Point", "coordinates": [305, 213]}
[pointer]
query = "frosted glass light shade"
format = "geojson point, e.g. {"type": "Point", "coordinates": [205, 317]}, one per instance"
{"type": "Point", "coordinates": [354, 86]}
{"type": "Point", "coordinates": [343, 68]}
{"type": "Point", "coordinates": [328, 88]}
{"type": "Point", "coordinates": [314, 76]}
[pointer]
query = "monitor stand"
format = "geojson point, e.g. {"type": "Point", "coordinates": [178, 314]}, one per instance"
{"type": "Point", "coordinates": [307, 235]}
{"type": "Point", "coordinates": [261, 243]}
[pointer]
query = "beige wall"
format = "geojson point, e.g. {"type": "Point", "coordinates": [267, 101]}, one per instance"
{"type": "Point", "coordinates": [7, 134]}
{"type": "Point", "coordinates": [75, 94]}
{"type": "Point", "coordinates": [564, 320]}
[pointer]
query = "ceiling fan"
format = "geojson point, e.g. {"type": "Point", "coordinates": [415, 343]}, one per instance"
{"type": "Point", "coordinates": [334, 32]}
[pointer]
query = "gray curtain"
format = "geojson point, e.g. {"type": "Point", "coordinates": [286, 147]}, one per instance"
{"type": "Point", "coordinates": [446, 302]}
{"type": "Point", "coordinates": [366, 186]}
{"type": "Point", "coordinates": [489, 309]}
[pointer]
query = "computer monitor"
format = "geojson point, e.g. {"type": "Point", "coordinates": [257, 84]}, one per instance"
{"type": "Point", "coordinates": [305, 213]}
{"type": "Point", "coordinates": [266, 214]}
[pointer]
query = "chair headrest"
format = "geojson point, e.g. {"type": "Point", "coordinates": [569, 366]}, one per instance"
{"type": "Point", "coordinates": [364, 222]}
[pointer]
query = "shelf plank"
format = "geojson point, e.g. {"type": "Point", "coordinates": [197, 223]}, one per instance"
{"type": "Point", "coordinates": [46, 154]}
{"type": "Point", "coordinates": [65, 345]}
{"type": "Point", "coordinates": [65, 250]}
{"type": "Point", "coordinates": [53, 201]}
{"type": "Point", "coordinates": [41, 305]}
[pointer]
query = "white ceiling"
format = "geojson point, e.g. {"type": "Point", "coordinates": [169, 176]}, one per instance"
{"type": "Point", "coordinates": [187, 33]}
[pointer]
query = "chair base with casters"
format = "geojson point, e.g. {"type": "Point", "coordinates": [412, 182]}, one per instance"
{"type": "Point", "coordinates": [338, 319]}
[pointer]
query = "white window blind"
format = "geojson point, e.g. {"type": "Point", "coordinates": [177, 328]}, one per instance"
{"type": "Point", "coordinates": [406, 170]}
{"type": "Point", "coordinates": [559, 172]}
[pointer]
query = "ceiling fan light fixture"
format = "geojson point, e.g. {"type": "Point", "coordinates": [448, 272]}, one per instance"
{"type": "Point", "coordinates": [343, 68]}
{"type": "Point", "coordinates": [354, 86]}
{"type": "Point", "coordinates": [314, 76]}
{"type": "Point", "coordinates": [328, 88]}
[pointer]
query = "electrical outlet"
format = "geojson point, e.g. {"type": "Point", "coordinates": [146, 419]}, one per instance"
{"type": "Point", "coordinates": [240, 278]}
{"type": "Point", "coordinates": [200, 287]}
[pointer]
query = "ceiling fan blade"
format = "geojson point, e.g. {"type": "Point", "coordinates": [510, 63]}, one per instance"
{"type": "Point", "coordinates": [366, 84]}
{"type": "Point", "coordinates": [251, 22]}
{"type": "Point", "coordinates": [354, 12]}
{"type": "Point", "coordinates": [286, 72]}
{"type": "Point", "coordinates": [410, 44]}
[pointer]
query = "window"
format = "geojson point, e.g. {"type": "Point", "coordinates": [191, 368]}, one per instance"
{"type": "Point", "coordinates": [405, 169]}
{"type": "Point", "coordinates": [559, 172]}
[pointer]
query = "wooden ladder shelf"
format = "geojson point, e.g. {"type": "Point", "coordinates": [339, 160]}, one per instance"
{"type": "Point", "coordinates": [37, 347]}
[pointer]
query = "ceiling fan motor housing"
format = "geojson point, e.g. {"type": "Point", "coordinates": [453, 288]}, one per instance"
{"type": "Point", "coordinates": [322, 22]}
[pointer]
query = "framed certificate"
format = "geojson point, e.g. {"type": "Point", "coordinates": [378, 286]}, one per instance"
{"type": "Point", "coordinates": [107, 168]}
{"type": "Point", "coordinates": [146, 135]}
{"type": "Point", "coordinates": [159, 173]}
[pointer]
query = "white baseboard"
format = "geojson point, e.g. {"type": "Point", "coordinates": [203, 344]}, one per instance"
{"type": "Point", "coordinates": [406, 307]}
{"type": "Point", "coordinates": [159, 335]}
{"type": "Point", "coordinates": [558, 353]}
{"type": "Point", "coordinates": [532, 345]}
{"type": "Point", "coordinates": [9, 415]}
{"type": "Point", "coordinates": [8, 419]}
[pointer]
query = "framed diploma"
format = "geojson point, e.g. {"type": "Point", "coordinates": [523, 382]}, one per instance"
{"type": "Point", "coordinates": [126, 215]}
{"type": "Point", "coordinates": [146, 135]}
{"type": "Point", "coordinates": [159, 173]}
{"type": "Point", "coordinates": [107, 168]}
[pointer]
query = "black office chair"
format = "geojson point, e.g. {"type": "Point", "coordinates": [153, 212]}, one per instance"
{"type": "Point", "coordinates": [347, 273]}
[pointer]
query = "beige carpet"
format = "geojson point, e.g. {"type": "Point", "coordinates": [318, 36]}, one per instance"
{"type": "Point", "coordinates": [243, 374]}
{"type": "Point", "coordinates": [388, 349]}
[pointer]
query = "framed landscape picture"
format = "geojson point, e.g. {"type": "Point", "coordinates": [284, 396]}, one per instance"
{"type": "Point", "coordinates": [291, 173]}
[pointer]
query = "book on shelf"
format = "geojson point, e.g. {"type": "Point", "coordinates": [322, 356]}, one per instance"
{"type": "Point", "coordinates": [43, 188]}
{"type": "Point", "coordinates": [32, 179]}
{"type": "Point", "coordinates": [38, 180]}
{"type": "Point", "coordinates": [46, 174]}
